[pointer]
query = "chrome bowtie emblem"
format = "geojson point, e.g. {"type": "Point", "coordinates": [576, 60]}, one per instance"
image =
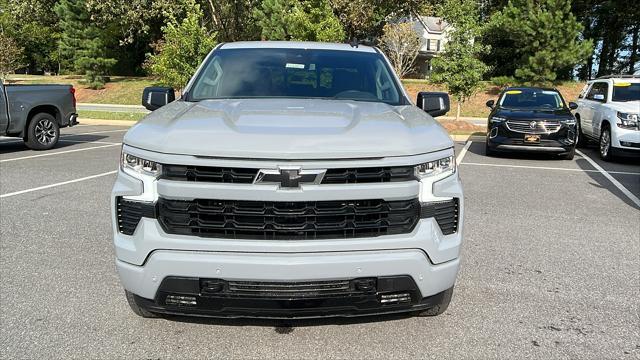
{"type": "Point", "coordinates": [289, 177]}
{"type": "Point", "coordinates": [532, 124]}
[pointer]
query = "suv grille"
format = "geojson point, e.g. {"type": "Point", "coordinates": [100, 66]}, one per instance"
{"type": "Point", "coordinates": [287, 220]}
{"type": "Point", "coordinates": [541, 127]}
{"type": "Point", "coordinates": [246, 175]}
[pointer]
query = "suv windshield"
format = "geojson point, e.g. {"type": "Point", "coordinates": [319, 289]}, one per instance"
{"type": "Point", "coordinates": [626, 92]}
{"type": "Point", "coordinates": [296, 73]}
{"type": "Point", "coordinates": [531, 99]}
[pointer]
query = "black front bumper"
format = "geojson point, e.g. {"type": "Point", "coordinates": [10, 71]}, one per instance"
{"type": "Point", "coordinates": [502, 139]}
{"type": "Point", "coordinates": [220, 298]}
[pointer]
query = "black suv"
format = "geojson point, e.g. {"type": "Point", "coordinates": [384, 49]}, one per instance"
{"type": "Point", "coordinates": [531, 119]}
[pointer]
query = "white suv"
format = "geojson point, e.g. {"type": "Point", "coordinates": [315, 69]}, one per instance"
{"type": "Point", "coordinates": [608, 111]}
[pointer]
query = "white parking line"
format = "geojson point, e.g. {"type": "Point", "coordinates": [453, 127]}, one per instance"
{"type": "Point", "coordinates": [56, 184]}
{"type": "Point", "coordinates": [615, 182]}
{"type": "Point", "coordinates": [89, 142]}
{"type": "Point", "coordinates": [463, 152]}
{"type": "Point", "coordinates": [548, 168]}
{"type": "Point", "coordinates": [59, 152]}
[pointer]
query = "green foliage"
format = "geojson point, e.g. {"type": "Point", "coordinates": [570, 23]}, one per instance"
{"type": "Point", "coordinates": [10, 56]}
{"type": "Point", "coordinates": [503, 81]}
{"type": "Point", "coordinates": [401, 43]}
{"type": "Point", "coordinates": [184, 46]}
{"type": "Point", "coordinates": [545, 36]}
{"type": "Point", "coordinates": [307, 20]}
{"type": "Point", "coordinates": [459, 66]}
{"type": "Point", "coordinates": [84, 41]}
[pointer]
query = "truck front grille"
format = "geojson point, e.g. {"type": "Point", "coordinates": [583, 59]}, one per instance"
{"type": "Point", "coordinates": [289, 289]}
{"type": "Point", "coordinates": [287, 220]}
{"type": "Point", "coordinates": [247, 175]}
{"type": "Point", "coordinates": [445, 213]}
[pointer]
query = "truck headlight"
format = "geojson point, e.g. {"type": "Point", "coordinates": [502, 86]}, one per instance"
{"type": "Point", "coordinates": [131, 163]}
{"type": "Point", "coordinates": [627, 120]}
{"type": "Point", "coordinates": [440, 168]}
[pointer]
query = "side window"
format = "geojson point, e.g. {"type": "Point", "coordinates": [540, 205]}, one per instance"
{"type": "Point", "coordinates": [598, 92]}
{"type": "Point", "coordinates": [583, 92]}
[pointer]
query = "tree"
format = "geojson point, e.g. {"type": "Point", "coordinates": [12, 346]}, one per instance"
{"type": "Point", "coordinates": [184, 46]}
{"type": "Point", "coordinates": [401, 43]}
{"type": "Point", "coordinates": [306, 20]}
{"type": "Point", "coordinates": [84, 41]}
{"type": "Point", "coordinates": [546, 35]}
{"type": "Point", "coordinates": [10, 56]}
{"type": "Point", "coordinates": [459, 66]}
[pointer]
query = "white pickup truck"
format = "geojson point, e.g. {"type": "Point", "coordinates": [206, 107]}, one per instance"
{"type": "Point", "coordinates": [608, 110]}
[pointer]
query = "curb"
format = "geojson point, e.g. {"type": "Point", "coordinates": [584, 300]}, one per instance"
{"type": "Point", "coordinates": [127, 123]}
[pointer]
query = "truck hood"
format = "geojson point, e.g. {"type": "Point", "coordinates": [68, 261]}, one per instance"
{"type": "Point", "coordinates": [288, 129]}
{"type": "Point", "coordinates": [625, 107]}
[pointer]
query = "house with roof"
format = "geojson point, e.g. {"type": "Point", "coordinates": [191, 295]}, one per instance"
{"type": "Point", "coordinates": [433, 34]}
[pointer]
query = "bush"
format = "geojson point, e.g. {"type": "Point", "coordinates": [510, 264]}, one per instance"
{"type": "Point", "coordinates": [503, 81]}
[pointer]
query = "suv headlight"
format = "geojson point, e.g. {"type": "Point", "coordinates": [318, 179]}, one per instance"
{"type": "Point", "coordinates": [497, 119]}
{"type": "Point", "coordinates": [627, 120]}
{"type": "Point", "coordinates": [440, 168]}
{"type": "Point", "coordinates": [569, 122]}
{"type": "Point", "coordinates": [131, 163]}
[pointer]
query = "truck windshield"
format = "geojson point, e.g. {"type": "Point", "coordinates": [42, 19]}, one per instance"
{"type": "Point", "coordinates": [296, 73]}
{"type": "Point", "coordinates": [531, 99]}
{"type": "Point", "coordinates": [626, 92]}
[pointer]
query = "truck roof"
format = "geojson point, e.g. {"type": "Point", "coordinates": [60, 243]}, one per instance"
{"type": "Point", "coordinates": [296, 45]}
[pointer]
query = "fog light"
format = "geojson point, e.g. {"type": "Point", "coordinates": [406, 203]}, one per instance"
{"type": "Point", "coordinates": [493, 133]}
{"type": "Point", "coordinates": [179, 300]}
{"type": "Point", "coordinates": [397, 298]}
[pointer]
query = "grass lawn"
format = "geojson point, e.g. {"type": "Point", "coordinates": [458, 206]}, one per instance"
{"type": "Point", "coordinates": [128, 91]}
{"type": "Point", "coordinates": [108, 115]}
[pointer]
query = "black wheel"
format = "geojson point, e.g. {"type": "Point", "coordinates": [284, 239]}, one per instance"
{"type": "Point", "coordinates": [137, 309]}
{"type": "Point", "coordinates": [488, 151]}
{"type": "Point", "coordinates": [570, 155]}
{"type": "Point", "coordinates": [581, 141]}
{"type": "Point", "coordinates": [440, 307]}
{"type": "Point", "coordinates": [605, 144]}
{"type": "Point", "coordinates": [43, 132]}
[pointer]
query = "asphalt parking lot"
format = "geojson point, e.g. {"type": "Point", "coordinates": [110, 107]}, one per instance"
{"type": "Point", "coordinates": [551, 268]}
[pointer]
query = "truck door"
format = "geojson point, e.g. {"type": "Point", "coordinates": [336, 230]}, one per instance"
{"type": "Point", "coordinates": [4, 115]}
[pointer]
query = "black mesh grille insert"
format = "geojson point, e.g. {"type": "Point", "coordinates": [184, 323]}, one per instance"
{"type": "Point", "coordinates": [246, 176]}
{"type": "Point", "coordinates": [445, 213]}
{"type": "Point", "coordinates": [130, 212]}
{"type": "Point", "coordinates": [368, 175]}
{"type": "Point", "coordinates": [287, 220]}
{"type": "Point", "coordinates": [289, 289]}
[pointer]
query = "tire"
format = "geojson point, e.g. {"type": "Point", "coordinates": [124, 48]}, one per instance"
{"type": "Point", "coordinates": [43, 132]}
{"type": "Point", "coordinates": [440, 307]}
{"type": "Point", "coordinates": [604, 145]}
{"type": "Point", "coordinates": [488, 151]}
{"type": "Point", "coordinates": [570, 155]}
{"type": "Point", "coordinates": [581, 140]}
{"type": "Point", "coordinates": [137, 309]}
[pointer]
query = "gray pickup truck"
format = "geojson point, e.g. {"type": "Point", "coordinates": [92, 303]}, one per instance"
{"type": "Point", "coordinates": [290, 180]}
{"type": "Point", "coordinates": [36, 113]}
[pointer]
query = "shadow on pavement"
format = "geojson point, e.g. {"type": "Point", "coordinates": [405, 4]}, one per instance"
{"type": "Point", "coordinates": [11, 145]}
{"type": "Point", "coordinates": [478, 148]}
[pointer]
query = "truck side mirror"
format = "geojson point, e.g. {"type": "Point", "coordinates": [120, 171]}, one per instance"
{"type": "Point", "coordinates": [155, 97]}
{"type": "Point", "coordinates": [572, 105]}
{"type": "Point", "coordinates": [434, 103]}
{"type": "Point", "coordinates": [490, 104]}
